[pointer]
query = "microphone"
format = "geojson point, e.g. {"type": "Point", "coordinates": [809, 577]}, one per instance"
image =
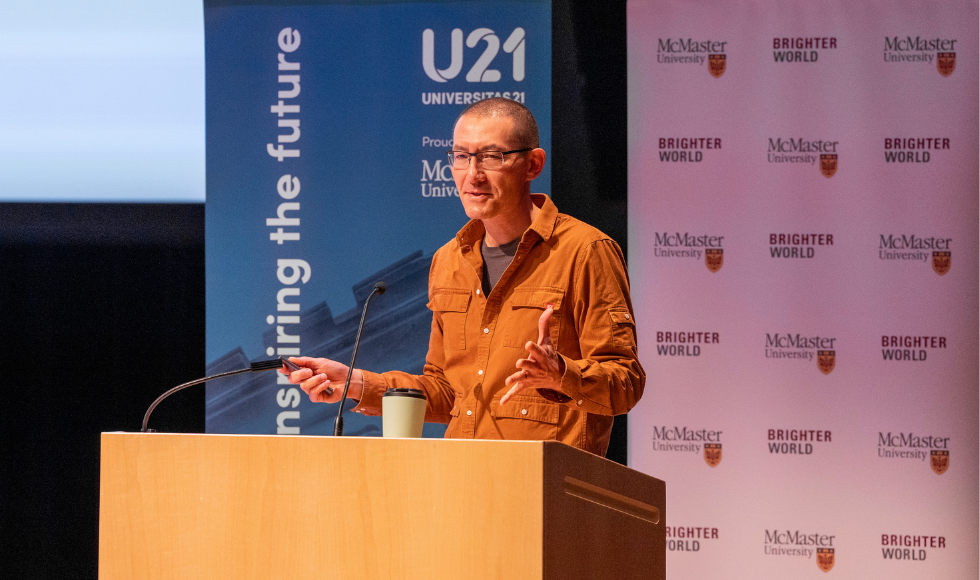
{"type": "Point", "coordinates": [338, 425]}
{"type": "Point", "coordinates": [264, 365]}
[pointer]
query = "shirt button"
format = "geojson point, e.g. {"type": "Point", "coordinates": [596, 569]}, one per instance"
{"type": "Point", "coordinates": [580, 401]}
{"type": "Point", "coordinates": [478, 291]}
{"type": "Point", "coordinates": [523, 411]}
{"type": "Point", "coordinates": [479, 372]}
{"type": "Point", "coordinates": [486, 331]}
{"type": "Point", "coordinates": [470, 412]}
{"type": "Point", "coordinates": [627, 317]}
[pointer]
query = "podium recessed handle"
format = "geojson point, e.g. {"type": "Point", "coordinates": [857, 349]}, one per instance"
{"type": "Point", "coordinates": [612, 500]}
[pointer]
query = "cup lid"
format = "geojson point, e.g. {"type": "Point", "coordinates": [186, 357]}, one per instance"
{"type": "Point", "coordinates": [415, 393]}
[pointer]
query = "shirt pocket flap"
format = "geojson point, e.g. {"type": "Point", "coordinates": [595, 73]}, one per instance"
{"type": "Point", "coordinates": [531, 410]}
{"type": "Point", "coordinates": [623, 328]}
{"type": "Point", "coordinates": [449, 300]}
{"type": "Point", "coordinates": [621, 317]}
{"type": "Point", "coordinates": [537, 298]}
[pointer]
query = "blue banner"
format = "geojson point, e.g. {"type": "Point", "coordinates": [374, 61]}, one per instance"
{"type": "Point", "coordinates": [327, 127]}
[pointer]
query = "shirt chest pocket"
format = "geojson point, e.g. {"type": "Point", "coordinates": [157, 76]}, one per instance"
{"type": "Point", "coordinates": [451, 304]}
{"type": "Point", "coordinates": [526, 307]}
{"type": "Point", "coordinates": [526, 418]}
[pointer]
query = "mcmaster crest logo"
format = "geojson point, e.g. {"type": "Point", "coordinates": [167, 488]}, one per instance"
{"type": "Point", "coordinates": [800, 150]}
{"type": "Point", "coordinates": [688, 245]}
{"type": "Point", "coordinates": [910, 49]}
{"type": "Point", "coordinates": [940, 262]}
{"type": "Point", "coordinates": [826, 360]}
{"type": "Point", "coordinates": [686, 440]}
{"type": "Point", "coordinates": [712, 454]}
{"type": "Point", "coordinates": [690, 51]}
{"type": "Point", "coordinates": [828, 167]}
{"type": "Point", "coordinates": [916, 248]}
{"type": "Point", "coordinates": [914, 447]}
{"type": "Point", "coordinates": [825, 559]}
{"type": "Point", "coordinates": [946, 63]}
{"type": "Point", "coordinates": [716, 65]}
{"type": "Point", "coordinates": [939, 460]}
{"type": "Point", "coordinates": [800, 544]}
{"type": "Point", "coordinates": [713, 258]}
{"type": "Point", "coordinates": [797, 346]}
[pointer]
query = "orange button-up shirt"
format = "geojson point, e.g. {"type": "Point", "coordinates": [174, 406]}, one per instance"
{"type": "Point", "coordinates": [476, 340]}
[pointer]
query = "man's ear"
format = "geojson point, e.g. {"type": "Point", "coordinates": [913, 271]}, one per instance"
{"type": "Point", "coordinates": [536, 158]}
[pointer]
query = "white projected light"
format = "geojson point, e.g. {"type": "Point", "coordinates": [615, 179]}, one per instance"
{"type": "Point", "coordinates": [102, 101]}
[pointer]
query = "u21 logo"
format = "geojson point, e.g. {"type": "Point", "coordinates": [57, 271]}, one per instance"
{"type": "Point", "coordinates": [480, 71]}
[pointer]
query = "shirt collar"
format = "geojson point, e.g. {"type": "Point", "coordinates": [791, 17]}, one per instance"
{"type": "Point", "coordinates": [543, 225]}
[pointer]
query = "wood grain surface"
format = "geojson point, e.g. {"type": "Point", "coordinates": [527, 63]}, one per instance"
{"type": "Point", "coordinates": [264, 507]}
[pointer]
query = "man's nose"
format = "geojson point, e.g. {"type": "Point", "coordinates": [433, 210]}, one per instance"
{"type": "Point", "coordinates": [475, 170]}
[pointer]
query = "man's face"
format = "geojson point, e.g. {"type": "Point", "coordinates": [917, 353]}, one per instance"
{"type": "Point", "coordinates": [489, 194]}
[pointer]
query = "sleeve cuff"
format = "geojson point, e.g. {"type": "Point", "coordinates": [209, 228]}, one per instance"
{"type": "Point", "coordinates": [374, 388]}
{"type": "Point", "coordinates": [553, 396]}
{"type": "Point", "coordinates": [571, 384]}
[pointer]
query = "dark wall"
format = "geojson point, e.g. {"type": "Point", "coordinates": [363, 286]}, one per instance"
{"type": "Point", "coordinates": [588, 132]}
{"type": "Point", "coordinates": [102, 308]}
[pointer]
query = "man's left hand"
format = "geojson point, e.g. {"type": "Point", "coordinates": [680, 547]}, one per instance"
{"type": "Point", "coordinates": [543, 368]}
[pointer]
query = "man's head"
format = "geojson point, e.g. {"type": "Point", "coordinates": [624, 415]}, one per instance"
{"type": "Point", "coordinates": [525, 127]}
{"type": "Point", "coordinates": [497, 125]}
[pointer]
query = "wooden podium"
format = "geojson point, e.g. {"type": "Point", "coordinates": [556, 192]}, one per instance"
{"type": "Point", "coordinates": [270, 507]}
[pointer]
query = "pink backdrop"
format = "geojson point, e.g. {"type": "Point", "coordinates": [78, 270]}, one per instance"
{"type": "Point", "coordinates": [851, 130]}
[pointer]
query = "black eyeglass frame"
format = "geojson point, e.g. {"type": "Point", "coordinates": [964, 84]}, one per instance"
{"type": "Point", "coordinates": [452, 155]}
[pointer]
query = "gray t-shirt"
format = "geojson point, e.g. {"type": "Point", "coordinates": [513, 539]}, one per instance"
{"type": "Point", "coordinates": [495, 262]}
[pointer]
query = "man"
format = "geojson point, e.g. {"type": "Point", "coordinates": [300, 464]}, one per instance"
{"type": "Point", "coordinates": [533, 334]}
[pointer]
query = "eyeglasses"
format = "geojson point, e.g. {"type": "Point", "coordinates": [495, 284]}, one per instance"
{"type": "Point", "coordinates": [487, 159]}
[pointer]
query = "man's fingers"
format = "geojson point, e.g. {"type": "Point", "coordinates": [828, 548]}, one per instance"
{"type": "Point", "coordinates": [311, 383]}
{"type": "Point", "coordinates": [543, 322]}
{"type": "Point", "coordinates": [514, 378]}
{"type": "Point", "coordinates": [513, 391]}
{"type": "Point", "coordinates": [297, 377]}
{"type": "Point", "coordinates": [537, 353]}
{"type": "Point", "coordinates": [320, 393]}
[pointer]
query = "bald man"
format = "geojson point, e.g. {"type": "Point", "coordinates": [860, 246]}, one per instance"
{"type": "Point", "coordinates": [533, 335]}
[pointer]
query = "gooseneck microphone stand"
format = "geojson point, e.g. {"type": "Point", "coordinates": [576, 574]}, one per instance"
{"type": "Point", "coordinates": [274, 364]}
{"type": "Point", "coordinates": [265, 365]}
{"type": "Point", "coordinates": [338, 425]}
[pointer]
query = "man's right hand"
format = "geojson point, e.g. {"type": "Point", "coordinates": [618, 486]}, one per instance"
{"type": "Point", "coordinates": [323, 379]}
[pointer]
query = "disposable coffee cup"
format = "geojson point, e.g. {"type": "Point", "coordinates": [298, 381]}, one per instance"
{"type": "Point", "coordinates": [402, 413]}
